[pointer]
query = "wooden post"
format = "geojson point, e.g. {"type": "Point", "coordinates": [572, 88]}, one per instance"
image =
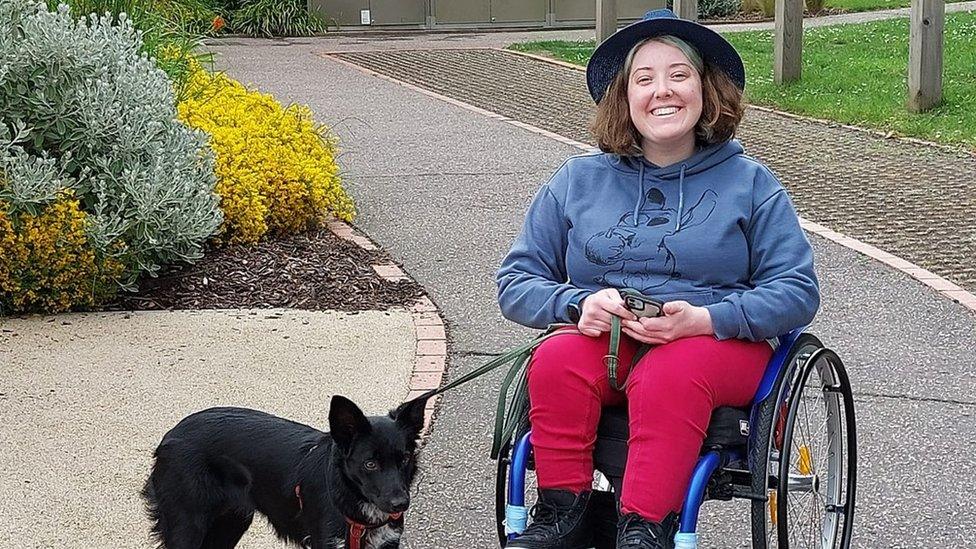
{"type": "Point", "coordinates": [925, 54]}
{"type": "Point", "coordinates": [788, 44]}
{"type": "Point", "coordinates": [686, 9]}
{"type": "Point", "coordinates": [606, 19]}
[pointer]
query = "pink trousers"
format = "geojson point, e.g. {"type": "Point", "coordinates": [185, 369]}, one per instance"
{"type": "Point", "coordinates": [670, 394]}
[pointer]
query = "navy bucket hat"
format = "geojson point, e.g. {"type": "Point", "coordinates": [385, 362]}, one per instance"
{"type": "Point", "coordinates": [609, 57]}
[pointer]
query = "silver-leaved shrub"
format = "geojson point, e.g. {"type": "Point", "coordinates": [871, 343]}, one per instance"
{"type": "Point", "coordinates": [82, 108]}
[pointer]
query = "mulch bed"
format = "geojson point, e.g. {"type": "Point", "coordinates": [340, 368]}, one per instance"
{"type": "Point", "coordinates": [316, 270]}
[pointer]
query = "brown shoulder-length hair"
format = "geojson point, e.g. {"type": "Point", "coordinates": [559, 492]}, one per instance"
{"type": "Point", "coordinates": [722, 106]}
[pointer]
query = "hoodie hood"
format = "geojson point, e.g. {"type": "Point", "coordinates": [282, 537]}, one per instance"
{"type": "Point", "coordinates": [696, 163]}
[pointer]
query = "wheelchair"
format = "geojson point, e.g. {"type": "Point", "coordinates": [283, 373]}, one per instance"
{"type": "Point", "coordinates": [792, 453]}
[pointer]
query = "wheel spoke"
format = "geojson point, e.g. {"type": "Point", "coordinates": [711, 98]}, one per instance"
{"type": "Point", "coordinates": [793, 514]}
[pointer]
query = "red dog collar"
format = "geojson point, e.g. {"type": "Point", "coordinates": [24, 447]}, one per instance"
{"type": "Point", "coordinates": [357, 530]}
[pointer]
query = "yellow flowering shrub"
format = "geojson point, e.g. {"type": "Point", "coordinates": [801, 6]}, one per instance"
{"type": "Point", "coordinates": [275, 166]}
{"type": "Point", "coordinates": [47, 263]}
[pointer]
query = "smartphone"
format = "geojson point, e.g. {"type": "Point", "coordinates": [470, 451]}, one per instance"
{"type": "Point", "coordinates": [643, 306]}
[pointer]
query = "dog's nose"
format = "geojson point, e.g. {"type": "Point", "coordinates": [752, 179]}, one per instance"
{"type": "Point", "coordinates": [399, 504]}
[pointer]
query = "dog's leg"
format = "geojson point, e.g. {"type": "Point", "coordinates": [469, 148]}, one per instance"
{"type": "Point", "coordinates": [331, 543]}
{"type": "Point", "coordinates": [326, 543]}
{"type": "Point", "coordinates": [325, 538]}
{"type": "Point", "coordinates": [226, 531]}
{"type": "Point", "coordinates": [182, 533]}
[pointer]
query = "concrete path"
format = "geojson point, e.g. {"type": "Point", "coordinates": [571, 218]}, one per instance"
{"type": "Point", "coordinates": [85, 399]}
{"type": "Point", "coordinates": [444, 190]}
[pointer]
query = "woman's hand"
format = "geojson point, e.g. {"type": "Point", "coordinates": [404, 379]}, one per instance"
{"type": "Point", "coordinates": [681, 319]}
{"type": "Point", "coordinates": [597, 309]}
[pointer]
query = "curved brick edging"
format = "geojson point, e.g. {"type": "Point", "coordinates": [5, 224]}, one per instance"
{"type": "Point", "coordinates": [941, 285]}
{"type": "Point", "coordinates": [430, 358]}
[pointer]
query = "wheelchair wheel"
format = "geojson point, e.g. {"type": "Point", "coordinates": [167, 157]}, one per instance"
{"type": "Point", "coordinates": [809, 466]}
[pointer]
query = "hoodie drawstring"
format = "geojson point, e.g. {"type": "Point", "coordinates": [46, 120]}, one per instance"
{"type": "Point", "coordinates": [640, 195]}
{"type": "Point", "coordinates": [681, 196]}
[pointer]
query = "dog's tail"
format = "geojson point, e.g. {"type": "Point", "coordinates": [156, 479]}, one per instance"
{"type": "Point", "coordinates": [150, 494]}
{"type": "Point", "coordinates": [182, 487]}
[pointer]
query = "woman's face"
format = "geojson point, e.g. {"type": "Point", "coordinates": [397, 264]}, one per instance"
{"type": "Point", "coordinates": [664, 93]}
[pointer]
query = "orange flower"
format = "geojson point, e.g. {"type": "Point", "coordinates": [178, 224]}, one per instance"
{"type": "Point", "coordinates": [218, 23]}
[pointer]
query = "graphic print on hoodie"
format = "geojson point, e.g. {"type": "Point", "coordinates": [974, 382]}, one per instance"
{"type": "Point", "coordinates": [638, 244]}
{"type": "Point", "coordinates": [717, 230]}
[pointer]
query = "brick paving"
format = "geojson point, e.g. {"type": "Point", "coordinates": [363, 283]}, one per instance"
{"type": "Point", "coordinates": [912, 200]}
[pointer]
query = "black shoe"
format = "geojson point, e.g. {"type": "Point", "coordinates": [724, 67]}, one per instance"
{"type": "Point", "coordinates": [558, 522]}
{"type": "Point", "coordinates": [636, 532]}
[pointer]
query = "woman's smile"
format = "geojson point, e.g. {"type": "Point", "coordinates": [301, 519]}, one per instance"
{"type": "Point", "coordinates": [662, 112]}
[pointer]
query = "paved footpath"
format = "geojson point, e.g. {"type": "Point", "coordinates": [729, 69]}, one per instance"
{"type": "Point", "coordinates": [444, 190]}
{"type": "Point", "coordinates": [85, 399]}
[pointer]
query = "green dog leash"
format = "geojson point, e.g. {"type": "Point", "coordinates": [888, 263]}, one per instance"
{"type": "Point", "coordinates": [510, 413]}
{"type": "Point", "coordinates": [611, 360]}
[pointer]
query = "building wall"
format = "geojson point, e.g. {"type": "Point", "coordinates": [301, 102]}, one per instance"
{"type": "Point", "coordinates": [471, 13]}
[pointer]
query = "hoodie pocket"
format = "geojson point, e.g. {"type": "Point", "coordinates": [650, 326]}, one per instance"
{"type": "Point", "coordinates": [699, 298]}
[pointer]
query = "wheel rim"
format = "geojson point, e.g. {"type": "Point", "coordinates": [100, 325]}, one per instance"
{"type": "Point", "coordinates": [808, 450]}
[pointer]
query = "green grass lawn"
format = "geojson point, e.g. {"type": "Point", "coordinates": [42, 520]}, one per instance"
{"type": "Point", "coordinates": [853, 74]}
{"type": "Point", "coordinates": [867, 5]}
{"type": "Point", "coordinates": [873, 5]}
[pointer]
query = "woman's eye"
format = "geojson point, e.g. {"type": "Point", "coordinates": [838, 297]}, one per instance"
{"type": "Point", "coordinates": [371, 465]}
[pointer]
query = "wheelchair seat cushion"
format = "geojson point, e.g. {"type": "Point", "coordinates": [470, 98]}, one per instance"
{"type": "Point", "coordinates": [728, 428]}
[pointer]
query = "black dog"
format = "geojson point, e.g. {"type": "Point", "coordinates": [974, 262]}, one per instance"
{"type": "Point", "coordinates": [348, 490]}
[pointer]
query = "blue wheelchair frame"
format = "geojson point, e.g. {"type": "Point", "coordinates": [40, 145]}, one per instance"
{"type": "Point", "coordinates": [707, 464]}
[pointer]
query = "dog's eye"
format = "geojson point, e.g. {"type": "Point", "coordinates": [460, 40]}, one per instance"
{"type": "Point", "coordinates": [405, 458]}
{"type": "Point", "coordinates": [371, 465]}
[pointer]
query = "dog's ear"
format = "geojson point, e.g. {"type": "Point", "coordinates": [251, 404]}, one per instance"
{"type": "Point", "coordinates": [346, 420]}
{"type": "Point", "coordinates": [410, 415]}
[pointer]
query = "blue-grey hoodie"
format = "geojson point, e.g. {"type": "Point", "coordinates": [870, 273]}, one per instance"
{"type": "Point", "coordinates": [717, 230]}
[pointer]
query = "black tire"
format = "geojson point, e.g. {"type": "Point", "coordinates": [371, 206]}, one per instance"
{"type": "Point", "coordinates": [501, 490]}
